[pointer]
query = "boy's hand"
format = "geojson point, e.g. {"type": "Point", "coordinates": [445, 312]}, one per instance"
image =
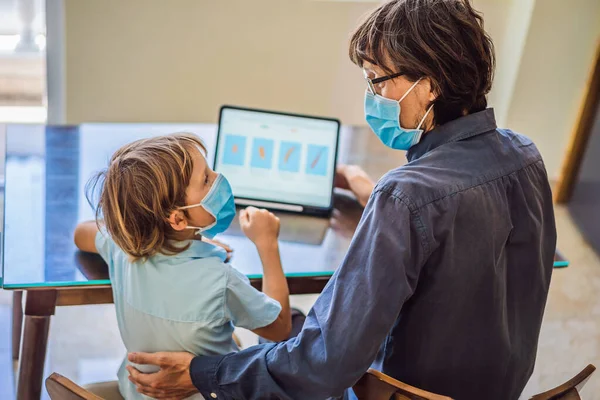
{"type": "Point", "coordinates": [260, 226]}
{"type": "Point", "coordinates": [225, 246]}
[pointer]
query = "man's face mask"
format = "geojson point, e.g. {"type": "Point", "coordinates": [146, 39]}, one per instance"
{"type": "Point", "coordinates": [383, 116]}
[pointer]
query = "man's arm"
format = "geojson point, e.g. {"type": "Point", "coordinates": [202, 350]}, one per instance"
{"type": "Point", "coordinates": [343, 331]}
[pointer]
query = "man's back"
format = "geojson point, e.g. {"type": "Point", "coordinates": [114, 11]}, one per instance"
{"type": "Point", "coordinates": [471, 327]}
{"type": "Point", "coordinates": [447, 276]}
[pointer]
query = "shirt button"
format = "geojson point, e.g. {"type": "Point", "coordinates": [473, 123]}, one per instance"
{"type": "Point", "coordinates": [213, 395]}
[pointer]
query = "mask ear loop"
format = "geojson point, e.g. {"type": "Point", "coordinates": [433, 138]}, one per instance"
{"type": "Point", "coordinates": [199, 229]}
{"type": "Point", "coordinates": [425, 116]}
{"type": "Point", "coordinates": [418, 129]}
{"type": "Point", "coordinates": [410, 90]}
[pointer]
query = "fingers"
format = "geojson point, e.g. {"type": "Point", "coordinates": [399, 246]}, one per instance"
{"type": "Point", "coordinates": [247, 214]}
{"type": "Point", "coordinates": [162, 394]}
{"type": "Point", "coordinates": [340, 179]}
{"type": "Point", "coordinates": [341, 168]}
{"type": "Point", "coordinates": [226, 247]}
{"type": "Point", "coordinates": [145, 358]}
{"type": "Point", "coordinates": [153, 393]}
{"type": "Point", "coordinates": [140, 379]}
{"type": "Point", "coordinates": [244, 218]}
{"type": "Point", "coordinates": [251, 210]}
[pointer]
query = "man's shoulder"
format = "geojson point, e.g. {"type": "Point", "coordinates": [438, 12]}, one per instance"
{"type": "Point", "coordinates": [459, 166]}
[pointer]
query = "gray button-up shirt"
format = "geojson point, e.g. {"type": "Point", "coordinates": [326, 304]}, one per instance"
{"type": "Point", "coordinates": [443, 287]}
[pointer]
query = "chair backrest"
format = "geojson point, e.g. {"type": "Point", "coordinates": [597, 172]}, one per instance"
{"type": "Point", "coordinates": [570, 389]}
{"type": "Point", "coordinates": [61, 388]}
{"type": "Point", "coordinates": [375, 385]}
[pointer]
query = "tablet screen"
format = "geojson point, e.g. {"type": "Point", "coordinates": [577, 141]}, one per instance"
{"type": "Point", "coordinates": [276, 157]}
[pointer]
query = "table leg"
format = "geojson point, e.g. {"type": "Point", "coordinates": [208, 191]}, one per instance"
{"type": "Point", "coordinates": [17, 323]}
{"type": "Point", "coordinates": [39, 307]}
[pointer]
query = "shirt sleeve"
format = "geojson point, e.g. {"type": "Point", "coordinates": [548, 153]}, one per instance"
{"type": "Point", "coordinates": [348, 323]}
{"type": "Point", "coordinates": [245, 306]}
{"type": "Point", "coordinates": [105, 245]}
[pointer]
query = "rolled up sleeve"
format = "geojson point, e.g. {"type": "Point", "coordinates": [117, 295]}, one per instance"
{"type": "Point", "coordinates": [346, 326]}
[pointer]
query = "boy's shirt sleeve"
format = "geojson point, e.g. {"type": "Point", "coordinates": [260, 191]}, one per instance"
{"type": "Point", "coordinates": [245, 306]}
{"type": "Point", "coordinates": [105, 246]}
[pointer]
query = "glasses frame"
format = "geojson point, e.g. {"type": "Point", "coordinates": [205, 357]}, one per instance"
{"type": "Point", "coordinates": [372, 82]}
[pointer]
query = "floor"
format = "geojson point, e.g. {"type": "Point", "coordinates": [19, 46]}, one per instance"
{"type": "Point", "coordinates": [84, 342]}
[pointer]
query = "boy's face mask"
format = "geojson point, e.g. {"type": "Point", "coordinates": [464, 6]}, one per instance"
{"type": "Point", "coordinates": [219, 203]}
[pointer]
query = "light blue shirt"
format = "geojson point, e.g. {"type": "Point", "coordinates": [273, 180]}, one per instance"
{"type": "Point", "coordinates": [185, 302]}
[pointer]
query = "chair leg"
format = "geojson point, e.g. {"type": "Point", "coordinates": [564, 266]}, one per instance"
{"type": "Point", "coordinates": [17, 323]}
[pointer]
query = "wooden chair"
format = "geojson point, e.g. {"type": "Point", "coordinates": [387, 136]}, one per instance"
{"type": "Point", "coordinates": [375, 385]}
{"type": "Point", "coordinates": [61, 388]}
{"type": "Point", "coordinates": [570, 389]}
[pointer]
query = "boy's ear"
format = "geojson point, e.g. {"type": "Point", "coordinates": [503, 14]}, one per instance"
{"type": "Point", "coordinates": [177, 220]}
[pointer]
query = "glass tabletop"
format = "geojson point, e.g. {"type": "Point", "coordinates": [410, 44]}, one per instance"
{"type": "Point", "coordinates": [46, 170]}
{"type": "Point", "coordinates": [43, 183]}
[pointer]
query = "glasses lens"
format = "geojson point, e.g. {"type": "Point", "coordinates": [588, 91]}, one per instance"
{"type": "Point", "coordinates": [369, 83]}
{"type": "Point", "coordinates": [370, 86]}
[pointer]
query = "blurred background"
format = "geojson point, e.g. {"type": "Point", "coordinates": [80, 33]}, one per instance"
{"type": "Point", "coordinates": [73, 61]}
{"type": "Point", "coordinates": [159, 61]}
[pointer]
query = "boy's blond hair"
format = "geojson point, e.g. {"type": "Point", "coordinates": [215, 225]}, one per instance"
{"type": "Point", "coordinates": [145, 181]}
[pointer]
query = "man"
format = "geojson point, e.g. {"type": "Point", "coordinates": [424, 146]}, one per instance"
{"type": "Point", "coordinates": [446, 279]}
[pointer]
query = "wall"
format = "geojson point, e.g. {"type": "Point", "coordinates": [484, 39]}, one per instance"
{"type": "Point", "coordinates": [153, 60]}
{"type": "Point", "coordinates": [557, 58]}
{"type": "Point", "coordinates": [509, 45]}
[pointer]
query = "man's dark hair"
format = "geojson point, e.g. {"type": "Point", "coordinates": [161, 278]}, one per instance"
{"type": "Point", "coordinates": [443, 40]}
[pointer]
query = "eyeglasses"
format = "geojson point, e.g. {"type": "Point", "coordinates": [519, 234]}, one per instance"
{"type": "Point", "coordinates": [372, 82]}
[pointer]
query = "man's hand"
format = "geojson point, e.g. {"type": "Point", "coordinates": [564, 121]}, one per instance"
{"type": "Point", "coordinates": [352, 177]}
{"type": "Point", "coordinates": [172, 382]}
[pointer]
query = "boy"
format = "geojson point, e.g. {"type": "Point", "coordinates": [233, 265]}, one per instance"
{"type": "Point", "coordinates": [160, 205]}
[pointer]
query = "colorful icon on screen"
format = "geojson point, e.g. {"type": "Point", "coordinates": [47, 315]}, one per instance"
{"type": "Point", "coordinates": [316, 160]}
{"type": "Point", "coordinates": [289, 156]}
{"type": "Point", "coordinates": [235, 150]}
{"type": "Point", "coordinates": [262, 153]}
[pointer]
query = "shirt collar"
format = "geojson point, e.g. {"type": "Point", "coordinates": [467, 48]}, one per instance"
{"type": "Point", "coordinates": [198, 249]}
{"type": "Point", "coordinates": [453, 131]}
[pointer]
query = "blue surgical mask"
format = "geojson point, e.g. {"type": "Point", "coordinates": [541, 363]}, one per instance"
{"type": "Point", "coordinates": [383, 116]}
{"type": "Point", "coordinates": [219, 203]}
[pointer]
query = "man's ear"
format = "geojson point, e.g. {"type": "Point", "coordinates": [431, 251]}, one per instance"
{"type": "Point", "coordinates": [177, 220]}
{"type": "Point", "coordinates": [434, 90]}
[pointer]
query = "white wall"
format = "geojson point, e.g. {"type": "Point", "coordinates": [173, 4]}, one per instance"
{"type": "Point", "coordinates": [178, 61]}
{"type": "Point", "coordinates": [156, 60]}
{"type": "Point", "coordinates": [510, 45]}
{"type": "Point", "coordinates": [558, 55]}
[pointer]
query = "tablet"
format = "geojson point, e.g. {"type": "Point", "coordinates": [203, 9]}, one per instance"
{"type": "Point", "coordinates": [277, 160]}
